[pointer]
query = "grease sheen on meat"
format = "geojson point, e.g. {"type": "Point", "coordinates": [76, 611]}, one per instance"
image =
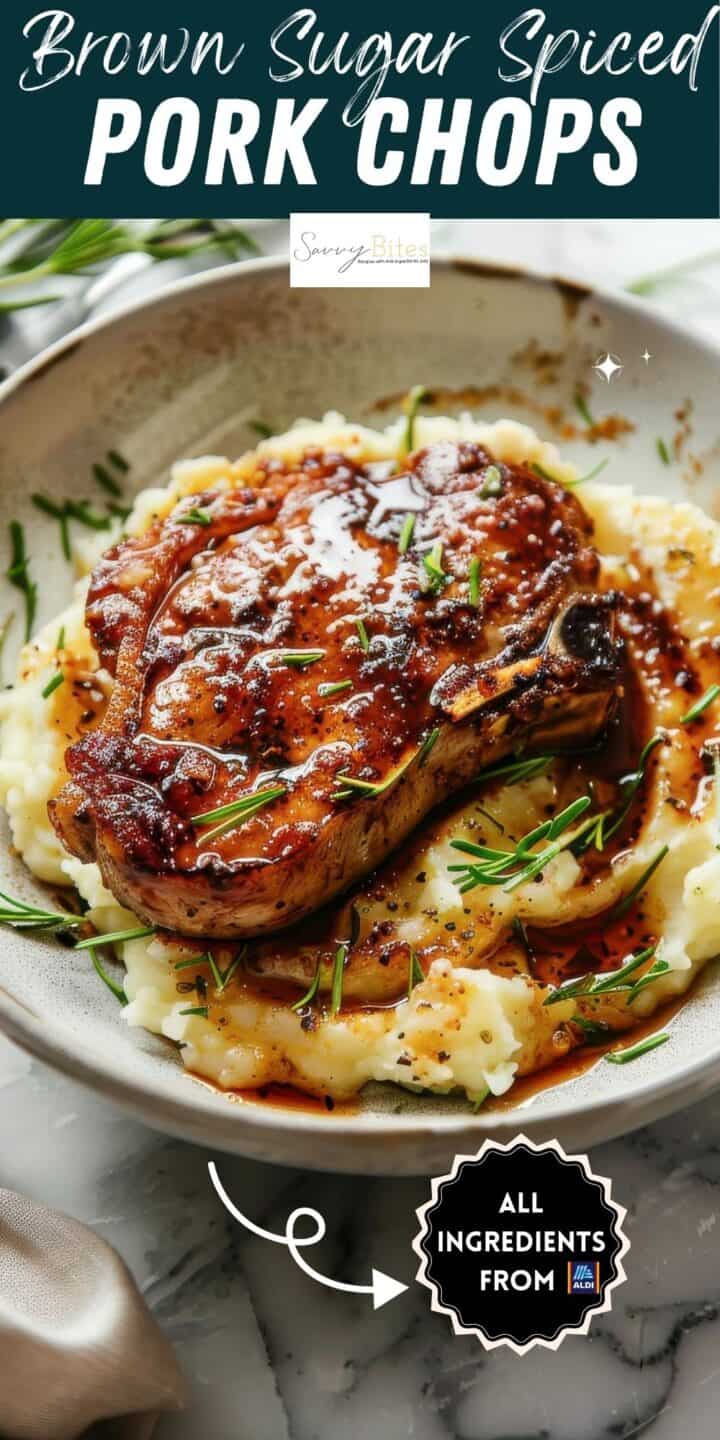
{"type": "Point", "coordinates": [202, 624]}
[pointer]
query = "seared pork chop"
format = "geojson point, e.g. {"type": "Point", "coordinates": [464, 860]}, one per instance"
{"type": "Point", "coordinates": [307, 663]}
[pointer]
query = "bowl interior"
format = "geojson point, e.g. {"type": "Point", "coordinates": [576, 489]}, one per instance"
{"type": "Point", "coordinates": [188, 374]}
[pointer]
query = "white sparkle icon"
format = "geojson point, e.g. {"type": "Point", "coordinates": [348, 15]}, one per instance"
{"type": "Point", "coordinates": [646, 355]}
{"type": "Point", "coordinates": [609, 367]}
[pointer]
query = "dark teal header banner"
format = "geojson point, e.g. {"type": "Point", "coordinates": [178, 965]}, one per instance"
{"type": "Point", "coordinates": [487, 110]}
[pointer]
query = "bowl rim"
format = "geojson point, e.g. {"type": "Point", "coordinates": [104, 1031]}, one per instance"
{"type": "Point", "coordinates": [197, 1120]}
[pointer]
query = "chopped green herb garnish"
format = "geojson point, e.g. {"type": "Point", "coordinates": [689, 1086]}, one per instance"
{"type": "Point", "coordinates": [260, 428]}
{"type": "Point", "coordinates": [513, 771]}
{"type": "Point", "coordinates": [492, 483]}
{"type": "Point", "coordinates": [53, 684]}
{"type": "Point", "coordinates": [106, 480]}
{"type": "Point", "coordinates": [511, 868]}
{"type": "Point", "coordinates": [600, 984]}
{"type": "Point", "coordinates": [416, 974]}
{"type": "Point", "coordinates": [662, 450]}
{"type": "Point", "coordinates": [582, 408]}
{"type": "Point", "coordinates": [372, 788]}
{"type": "Point", "coordinates": [300, 658]}
{"type": "Point", "coordinates": [194, 517]}
{"type": "Point", "coordinates": [362, 635]}
{"type": "Point", "coordinates": [623, 1057]}
{"type": "Point", "coordinates": [115, 937]}
{"type": "Point", "coordinates": [700, 705]}
{"type": "Point", "coordinates": [406, 534]}
{"type": "Point", "coordinates": [113, 987]}
{"type": "Point", "coordinates": [624, 905]}
{"type": "Point", "coordinates": [118, 461]}
{"type": "Point", "coordinates": [201, 1010]}
{"type": "Point", "coordinates": [60, 642]}
{"type": "Point", "coordinates": [311, 992]}
{"type": "Point", "coordinates": [412, 405]}
{"type": "Point", "coordinates": [474, 581]}
{"type": "Point", "coordinates": [19, 575]}
{"type": "Point", "coordinates": [233, 814]}
{"type": "Point", "coordinates": [220, 977]}
{"type": "Point", "coordinates": [122, 511]}
{"type": "Point", "coordinates": [334, 688]}
{"type": "Point", "coordinates": [341, 955]}
{"type": "Point", "coordinates": [437, 579]}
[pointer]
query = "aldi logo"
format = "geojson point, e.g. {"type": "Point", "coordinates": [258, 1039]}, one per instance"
{"type": "Point", "coordinates": [583, 1277]}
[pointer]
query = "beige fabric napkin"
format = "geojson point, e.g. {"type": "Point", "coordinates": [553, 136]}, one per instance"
{"type": "Point", "coordinates": [78, 1345]}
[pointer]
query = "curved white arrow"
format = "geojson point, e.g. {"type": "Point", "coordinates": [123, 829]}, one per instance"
{"type": "Point", "coordinates": [383, 1287]}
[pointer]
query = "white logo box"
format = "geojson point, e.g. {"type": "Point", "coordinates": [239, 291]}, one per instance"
{"type": "Point", "coordinates": [369, 251]}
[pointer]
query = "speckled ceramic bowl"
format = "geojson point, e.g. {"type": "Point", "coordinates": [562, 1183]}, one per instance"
{"type": "Point", "coordinates": [183, 375]}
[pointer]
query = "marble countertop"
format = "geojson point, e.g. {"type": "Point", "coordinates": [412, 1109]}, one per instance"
{"type": "Point", "coordinates": [270, 1355]}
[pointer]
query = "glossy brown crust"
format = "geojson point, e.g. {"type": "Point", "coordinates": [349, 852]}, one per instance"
{"type": "Point", "coordinates": [195, 620]}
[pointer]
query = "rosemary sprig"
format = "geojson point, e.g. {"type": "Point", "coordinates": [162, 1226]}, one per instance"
{"type": "Point", "coordinates": [602, 984]}
{"type": "Point", "coordinates": [629, 785]}
{"type": "Point", "coordinates": [624, 1057]}
{"type": "Point", "coordinates": [378, 787]}
{"type": "Point", "coordinates": [19, 575]}
{"type": "Point", "coordinates": [583, 408]}
{"type": "Point", "coordinates": [56, 512]}
{"type": "Point", "coordinates": [416, 974]}
{"type": "Point", "coordinates": [106, 481]}
{"type": "Point", "coordinates": [624, 905]}
{"type": "Point", "coordinates": [595, 1032]}
{"type": "Point", "coordinates": [701, 705]}
{"type": "Point", "coordinates": [514, 770]}
{"type": "Point", "coordinates": [336, 992]}
{"type": "Point", "coordinates": [362, 635]}
{"type": "Point", "coordinates": [646, 284]}
{"type": "Point", "coordinates": [201, 1010]}
{"type": "Point", "coordinates": [53, 684]}
{"type": "Point", "coordinates": [300, 658]}
{"type": "Point", "coordinates": [658, 968]}
{"type": "Point", "coordinates": [118, 461]}
{"type": "Point", "coordinates": [474, 581]}
{"type": "Point", "coordinates": [21, 916]}
{"type": "Point", "coordinates": [579, 479]}
{"type": "Point", "coordinates": [511, 868]}
{"type": "Point", "coordinates": [413, 402]}
{"type": "Point", "coordinates": [220, 977]}
{"type": "Point", "coordinates": [236, 811]}
{"type": "Point", "coordinates": [194, 517]}
{"type": "Point", "coordinates": [113, 987]}
{"type": "Point", "coordinates": [662, 450]}
{"type": "Point", "coordinates": [406, 533]}
{"type": "Point", "coordinates": [333, 688]}
{"type": "Point", "coordinates": [114, 937]}
{"type": "Point", "coordinates": [437, 579]}
{"type": "Point", "coordinates": [311, 992]}
{"type": "Point", "coordinates": [74, 247]}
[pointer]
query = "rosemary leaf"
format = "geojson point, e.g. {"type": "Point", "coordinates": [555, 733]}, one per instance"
{"type": "Point", "coordinates": [624, 905]}
{"type": "Point", "coordinates": [412, 405]}
{"type": "Point", "coordinates": [311, 992]}
{"type": "Point", "coordinates": [701, 705]}
{"type": "Point", "coordinates": [19, 575]}
{"type": "Point", "coordinates": [115, 937]}
{"type": "Point", "coordinates": [337, 977]}
{"type": "Point", "coordinates": [106, 481]}
{"type": "Point", "coordinates": [233, 814]}
{"type": "Point", "coordinates": [474, 581]}
{"type": "Point", "coordinates": [624, 1057]}
{"type": "Point", "coordinates": [195, 517]}
{"type": "Point", "coordinates": [53, 684]}
{"type": "Point", "coordinates": [416, 974]}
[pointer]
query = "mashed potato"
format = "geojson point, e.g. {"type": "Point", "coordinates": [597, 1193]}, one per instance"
{"type": "Point", "coordinates": [466, 1028]}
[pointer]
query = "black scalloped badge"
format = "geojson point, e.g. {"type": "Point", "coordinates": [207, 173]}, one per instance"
{"type": "Point", "coordinates": [521, 1244]}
